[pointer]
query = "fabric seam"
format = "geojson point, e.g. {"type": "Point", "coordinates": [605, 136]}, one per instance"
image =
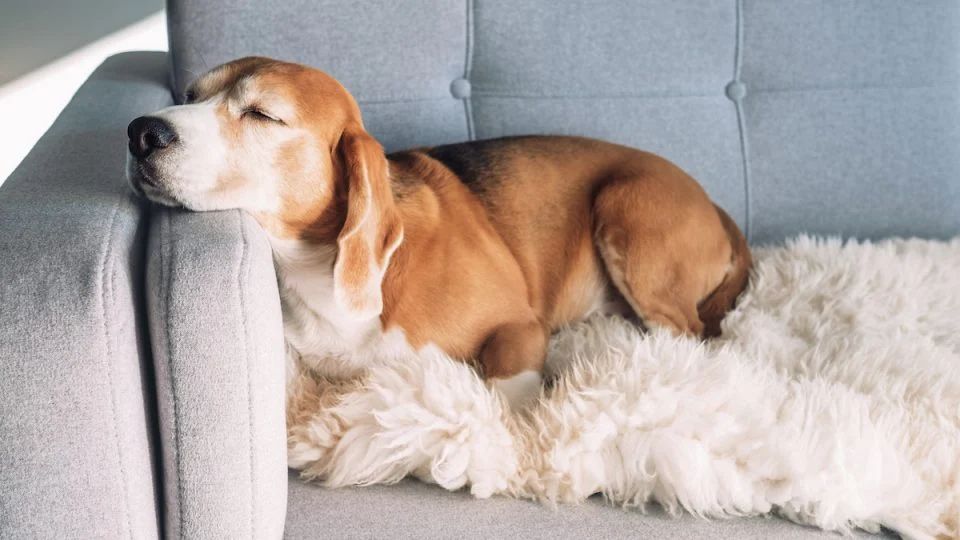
{"type": "Point", "coordinates": [519, 94]}
{"type": "Point", "coordinates": [106, 285]}
{"type": "Point", "coordinates": [393, 100]}
{"type": "Point", "coordinates": [741, 124]}
{"type": "Point", "coordinates": [507, 94]}
{"type": "Point", "coordinates": [861, 88]}
{"type": "Point", "coordinates": [242, 277]}
{"type": "Point", "coordinates": [468, 70]}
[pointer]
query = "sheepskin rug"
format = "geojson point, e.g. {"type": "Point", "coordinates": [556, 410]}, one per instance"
{"type": "Point", "coordinates": [832, 399]}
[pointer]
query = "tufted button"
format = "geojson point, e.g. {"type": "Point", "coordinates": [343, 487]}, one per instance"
{"type": "Point", "coordinates": [736, 90]}
{"type": "Point", "coordinates": [460, 88]}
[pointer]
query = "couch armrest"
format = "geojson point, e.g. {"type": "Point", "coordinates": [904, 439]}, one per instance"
{"type": "Point", "coordinates": [217, 338]}
{"type": "Point", "coordinates": [75, 391]}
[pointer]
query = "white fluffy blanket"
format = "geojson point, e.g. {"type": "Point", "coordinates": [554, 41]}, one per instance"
{"type": "Point", "coordinates": [833, 399]}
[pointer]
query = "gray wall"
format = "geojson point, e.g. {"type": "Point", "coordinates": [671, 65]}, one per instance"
{"type": "Point", "coordinates": [36, 32]}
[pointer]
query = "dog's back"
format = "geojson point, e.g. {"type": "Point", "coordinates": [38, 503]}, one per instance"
{"type": "Point", "coordinates": [581, 215]}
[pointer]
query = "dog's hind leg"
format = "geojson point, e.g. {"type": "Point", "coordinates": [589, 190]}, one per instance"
{"type": "Point", "coordinates": [663, 246]}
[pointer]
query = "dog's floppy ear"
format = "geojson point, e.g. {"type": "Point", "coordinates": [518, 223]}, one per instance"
{"type": "Point", "coordinates": [372, 230]}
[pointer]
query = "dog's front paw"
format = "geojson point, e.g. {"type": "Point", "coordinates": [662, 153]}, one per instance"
{"type": "Point", "coordinates": [313, 430]}
{"type": "Point", "coordinates": [521, 390]}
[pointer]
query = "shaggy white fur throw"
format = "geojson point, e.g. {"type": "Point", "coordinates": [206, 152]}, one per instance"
{"type": "Point", "coordinates": [832, 398]}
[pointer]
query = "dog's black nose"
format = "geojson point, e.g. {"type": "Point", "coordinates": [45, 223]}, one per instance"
{"type": "Point", "coordinates": [148, 133]}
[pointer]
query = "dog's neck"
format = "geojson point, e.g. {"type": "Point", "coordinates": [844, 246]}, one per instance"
{"type": "Point", "coordinates": [305, 275]}
{"type": "Point", "coordinates": [316, 329]}
{"type": "Point", "coordinates": [305, 249]}
{"type": "Point", "coordinates": [305, 238]}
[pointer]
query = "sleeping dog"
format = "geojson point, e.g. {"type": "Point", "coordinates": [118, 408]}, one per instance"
{"type": "Point", "coordinates": [481, 249]}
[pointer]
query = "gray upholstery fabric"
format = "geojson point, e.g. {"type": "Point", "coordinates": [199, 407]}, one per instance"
{"type": "Point", "coordinates": [852, 117]}
{"type": "Point", "coordinates": [811, 116]}
{"type": "Point", "coordinates": [411, 509]}
{"type": "Point", "coordinates": [75, 389]}
{"type": "Point", "coordinates": [217, 340]}
{"type": "Point", "coordinates": [424, 40]}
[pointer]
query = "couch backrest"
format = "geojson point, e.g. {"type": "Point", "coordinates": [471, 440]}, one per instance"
{"type": "Point", "coordinates": [824, 116]}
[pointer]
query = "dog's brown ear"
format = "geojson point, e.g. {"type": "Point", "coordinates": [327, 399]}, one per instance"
{"type": "Point", "coordinates": [372, 230]}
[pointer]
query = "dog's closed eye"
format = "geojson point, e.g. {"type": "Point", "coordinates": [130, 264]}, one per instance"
{"type": "Point", "coordinates": [258, 114]}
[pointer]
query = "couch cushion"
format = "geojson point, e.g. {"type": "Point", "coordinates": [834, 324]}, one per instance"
{"type": "Point", "coordinates": [409, 54]}
{"type": "Point", "coordinates": [817, 116]}
{"type": "Point", "coordinates": [411, 509]}
{"type": "Point", "coordinates": [643, 73]}
{"type": "Point", "coordinates": [852, 117]}
{"type": "Point", "coordinates": [76, 399]}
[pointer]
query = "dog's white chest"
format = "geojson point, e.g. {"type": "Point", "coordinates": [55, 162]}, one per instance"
{"type": "Point", "coordinates": [334, 348]}
{"type": "Point", "coordinates": [317, 331]}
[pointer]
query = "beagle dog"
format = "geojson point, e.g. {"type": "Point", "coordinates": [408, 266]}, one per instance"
{"type": "Point", "coordinates": [481, 249]}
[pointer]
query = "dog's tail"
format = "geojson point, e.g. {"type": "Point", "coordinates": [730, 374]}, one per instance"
{"type": "Point", "coordinates": [713, 308]}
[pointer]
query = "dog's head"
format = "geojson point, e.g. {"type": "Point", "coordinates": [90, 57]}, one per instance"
{"type": "Point", "coordinates": [286, 143]}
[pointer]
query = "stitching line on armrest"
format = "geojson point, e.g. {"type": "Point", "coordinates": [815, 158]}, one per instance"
{"type": "Point", "coordinates": [243, 275]}
{"type": "Point", "coordinates": [468, 69]}
{"type": "Point", "coordinates": [166, 278]}
{"type": "Point", "coordinates": [106, 287]}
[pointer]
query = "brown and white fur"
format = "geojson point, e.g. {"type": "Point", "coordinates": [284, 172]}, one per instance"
{"type": "Point", "coordinates": [481, 249]}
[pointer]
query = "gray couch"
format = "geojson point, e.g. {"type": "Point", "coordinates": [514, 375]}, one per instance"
{"type": "Point", "coordinates": [141, 373]}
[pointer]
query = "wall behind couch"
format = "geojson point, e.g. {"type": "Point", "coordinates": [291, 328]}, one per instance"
{"type": "Point", "coordinates": [49, 47]}
{"type": "Point", "coordinates": [36, 32]}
